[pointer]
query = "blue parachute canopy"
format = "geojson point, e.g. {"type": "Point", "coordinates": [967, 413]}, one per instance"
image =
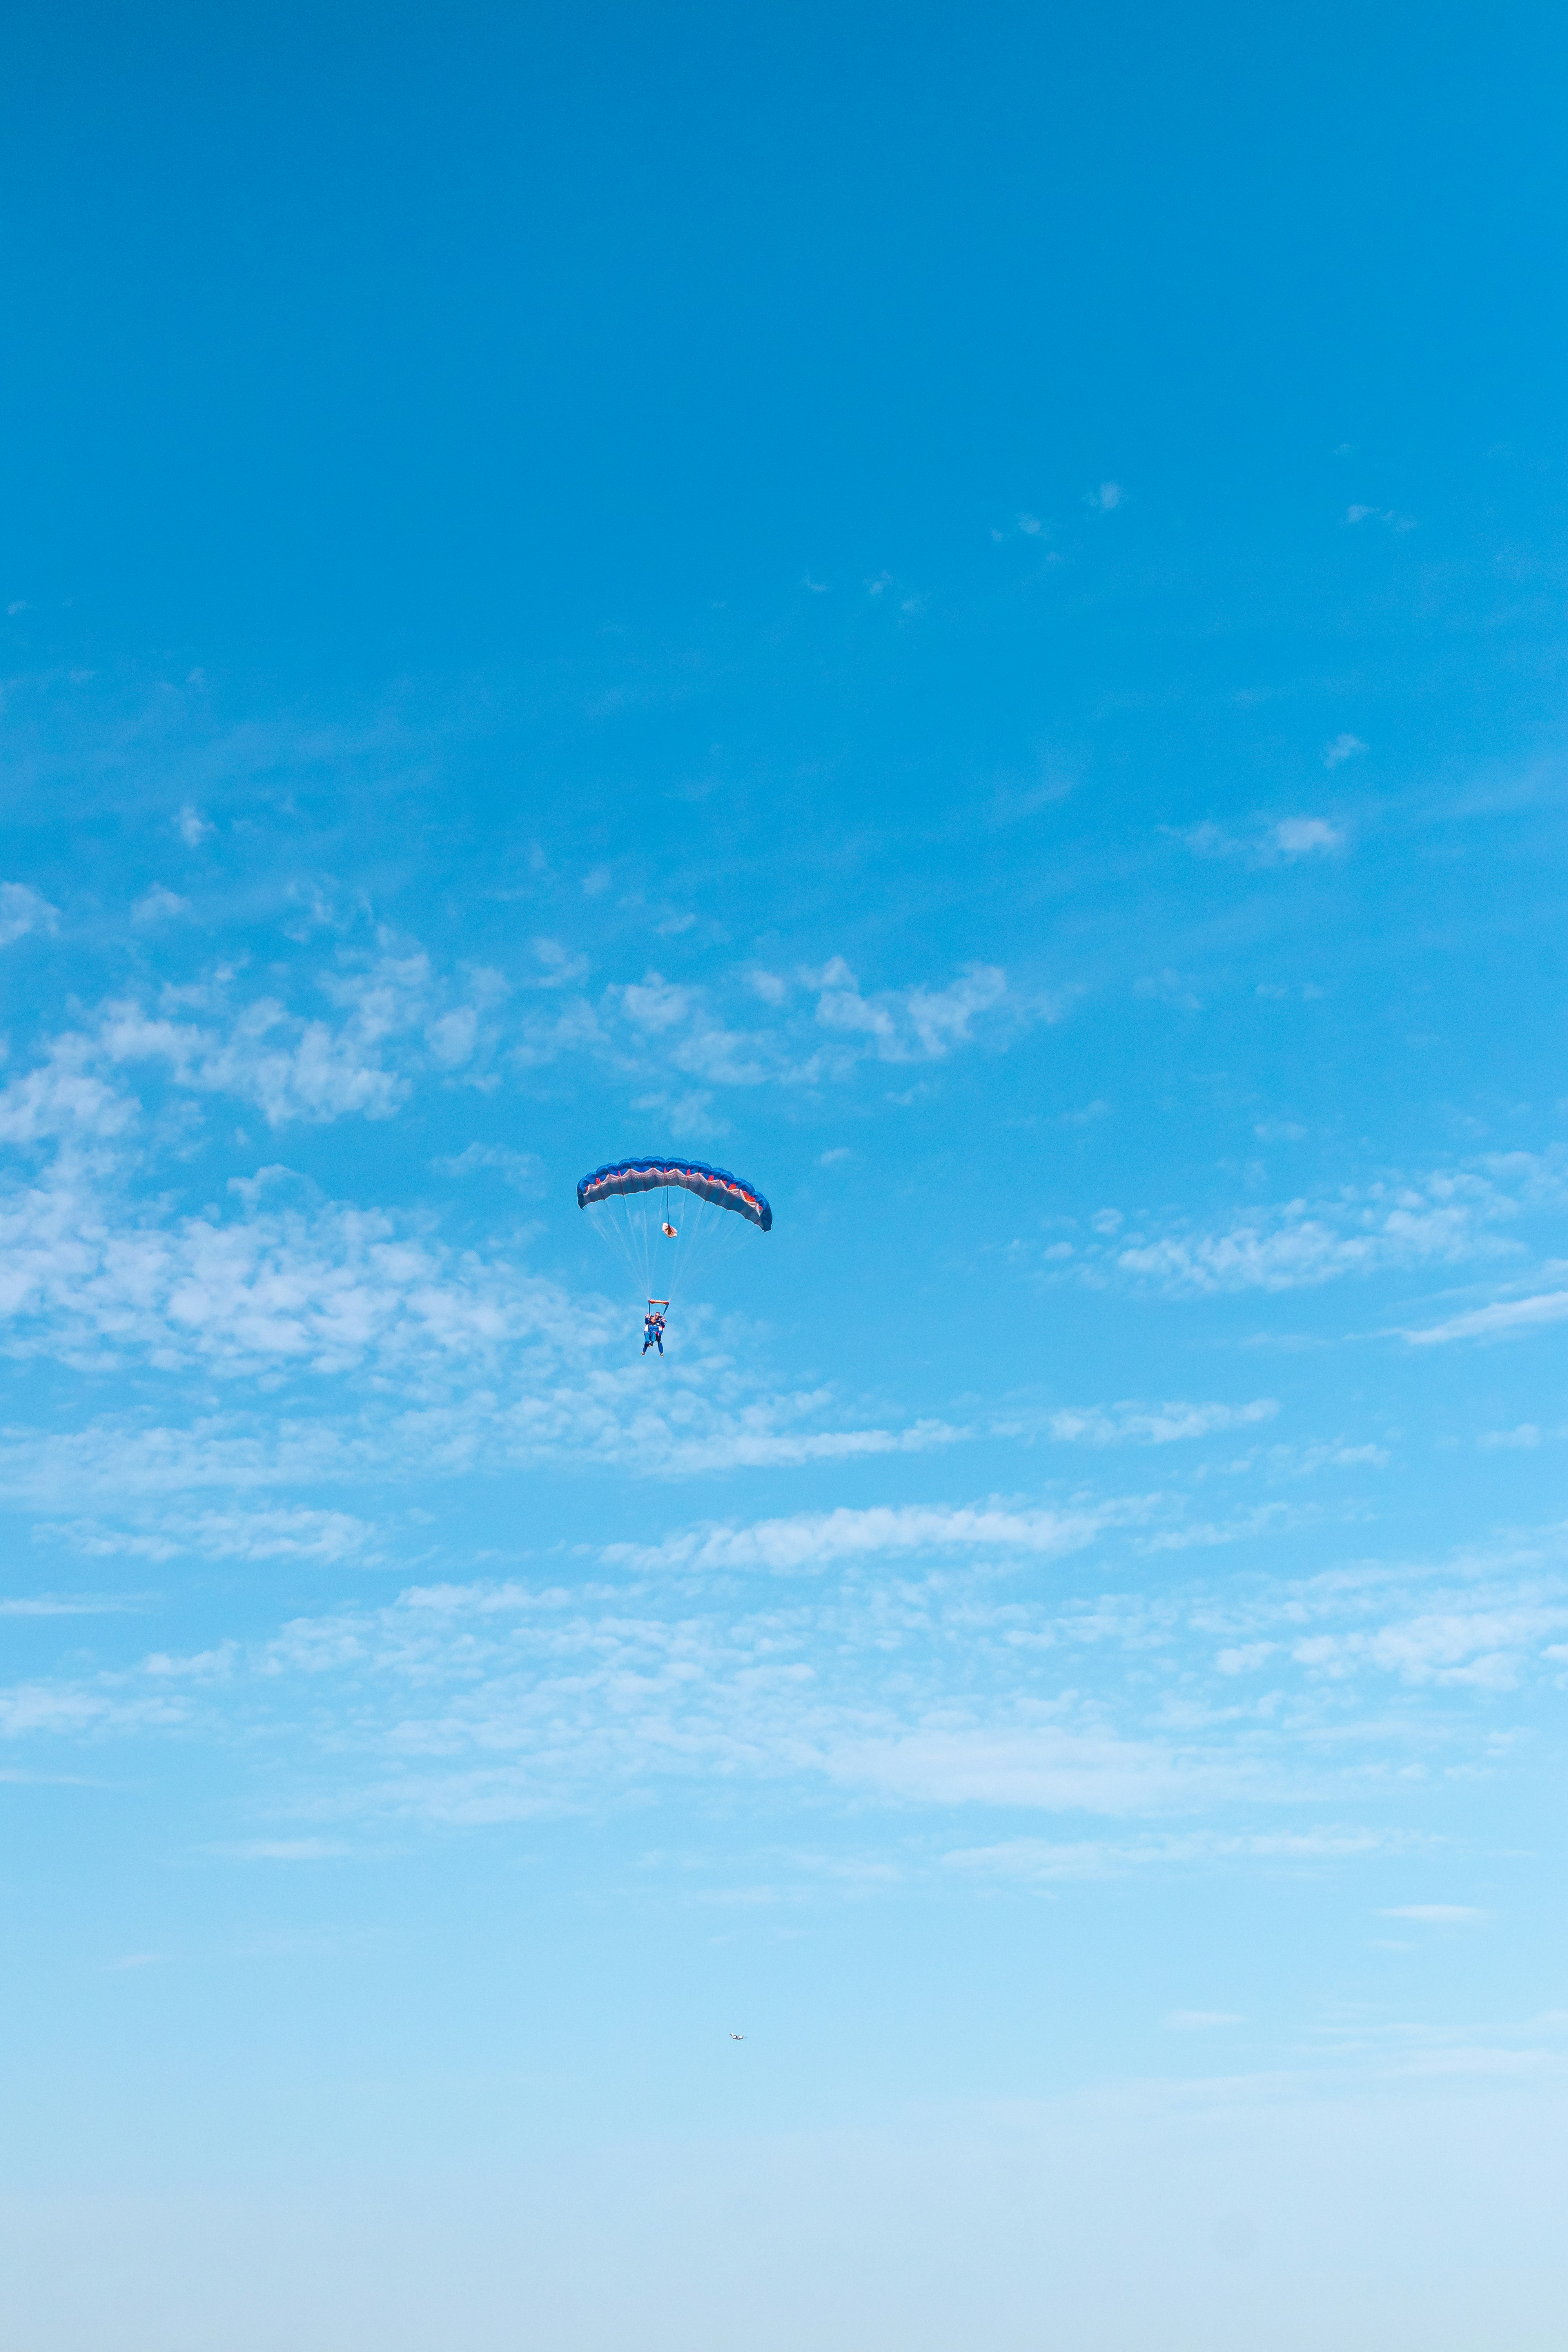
{"type": "Point", "coordinates": [715, 1184]}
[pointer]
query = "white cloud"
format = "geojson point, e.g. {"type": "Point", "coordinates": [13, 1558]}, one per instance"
{"type": "Point", "coordinates": [1284, 840]}
{"type": "Point", "coordinates": [289, 1068]}
{"type": "Point", "coordinates": [560, 966]}
{"type": "Point", "coordinates": [1306, 837]}
{"type": "Point", "coordinates": [1343, 747]}
{"type": "Point", "coordinates": [305, 1849]}
{"type": "Point", "coordinates": [813, 1539]}
{"type": "Point", "coordinates": [1445, 1217]}
{"type": "Point", "coordinates": [519, 1168]}
{"type": "Point", "coordinates": [1107, 497]}
{"type": "Point", "coordinates": [316, 1286]}
{"type": "Point", "coordinates": [1134, 1423]}
{"type": "Point", "coordinates": [23, 910]}
{"type": "Point", "coordinates": [1045, 1860]}
{"type": "Point", "coordinates": [655, 1005]}
{"type": "Point", "coordinates": [292, 1533]}
{"type": "Point", "coordinates": [687, 1115]}
{"type": "Point", "coordinates": [911, 1023]}
{"type": "Point", "coordinates": [1434, 1915]}
{"type": "Point", "coordinates": [1481, 1648]}
{"type": "Point", "coordinates": [1359, 514]}
{"type": "Point", "coordinates": [301, 1068]}
{"type": "Point", "coordinates": [192, 827]}
{"type": "Point", "coordinates": [934, 1684]}
{"type": "Point", "coordinates": [655, 1020]}
{"type": "Point", "coordinates": [63, 1711]}
{"type": "Point", "coordinates": [1043, 1766]}
{"type": "Point", "coordinates": [1507, 1320]}
{"type": "Point", "coordinates": [458, 1358]}
{"type": "Point", "coordinates": [62, 1102]}
{"type": "Point", "coordinates": [159, 904]}
{"type": "Point", "coordinates": [1169, 987]}
{"type": "Point", "coordinates": [66, 1604]}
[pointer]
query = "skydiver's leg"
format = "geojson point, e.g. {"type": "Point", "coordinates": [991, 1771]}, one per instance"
{"type": "Point", "coordinates": [662, 1343]}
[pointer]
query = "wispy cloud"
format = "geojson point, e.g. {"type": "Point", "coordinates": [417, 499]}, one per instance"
{"type": "Point", "coordinates": [907, 1672]}
{"type": "Point", "coordinates": [1133, 1423]}
{"type": "Point", "coordinates": [814, 1540]}
{"type": "Point", "coordinates": [1360, 514]}
{"type": "Point", "coordinates": [1434, 1915]}
{"type": "Point", "coordinates": [159, 904]}
{"type": "Point", "coordinates": [1281, 842]}
{"type": "Point", "coordinates": [301, 1849]}
{"type": "Point", "coordinates": [1445, 1217]}
{"type": "Point", "coordinates": [1507, 1320]}
{"type": "Point", "coordinates": [292, 1533]}
{"type": "Point", "coordinates": [22, 910]}
{"type": "Point", "coordinates": [521, 1170]}
{"type": "Point", "coordinates": [69, 1604]}
{"type": "Point", "coordinates": [1046, 1860]}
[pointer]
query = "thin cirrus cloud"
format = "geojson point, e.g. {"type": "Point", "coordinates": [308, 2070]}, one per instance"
{"type": "Point", "coordinates": [1283, 842]}
{"type": "Point", "coordinates": [816, 1539]}
{"type": "Point", "coordinates": [1509, 1318]}
{"type": "Point", "coordinates": [1132, 1424]}
{"type": "Point", "coordinates": [939, 1686]}
{"type": "Point", "coordinates": [1031, 1860]}
{"type": "Point", "coordinates": [23, 909]}
{"type": "Point", "coordinates": [1445, 1216]}
{"type": "Point", "coordinates": [159, 904]}
{"type": "Point", "coordinates": [291, 1533]}
{"type": "Point", "coordinates": [1434, 1915]}
{"type": "Point", "coordinates": [192, 827]}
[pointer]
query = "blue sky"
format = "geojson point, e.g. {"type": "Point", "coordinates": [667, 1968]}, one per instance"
{"type": "Point", "coordinates": [967, 619]}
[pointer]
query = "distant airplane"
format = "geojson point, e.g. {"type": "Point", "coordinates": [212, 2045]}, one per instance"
{"type": "Point", "coordinates": [737, 2037]}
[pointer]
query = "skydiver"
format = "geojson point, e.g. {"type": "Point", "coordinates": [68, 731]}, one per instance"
{"type": "Point", "coordinates": [653, 1332]}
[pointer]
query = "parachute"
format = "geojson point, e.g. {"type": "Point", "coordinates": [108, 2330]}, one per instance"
{"type": "Point", "coordinates": [635, 1207]}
